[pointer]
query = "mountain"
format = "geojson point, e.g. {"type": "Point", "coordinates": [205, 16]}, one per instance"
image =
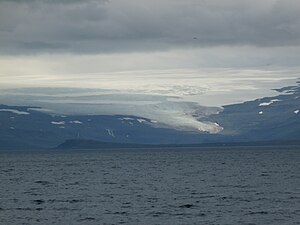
{"type": "Point", "coordinates": [270, 118]}
{"type": "Point", "coordinates": [23, 127]}
{"type": "Point", "coordinates": [78, 144]}
{"type": "Point", "coordinates": [92, 144]}
{"type": "Point", "coordinates": [266, 119]}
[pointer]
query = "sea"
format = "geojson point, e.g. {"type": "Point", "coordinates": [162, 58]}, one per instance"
{"type": "Point", "coordinates": [213, 185]}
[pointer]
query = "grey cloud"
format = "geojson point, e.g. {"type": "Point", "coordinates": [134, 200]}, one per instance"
{"type": "Point", "coordinates": [138, 25]}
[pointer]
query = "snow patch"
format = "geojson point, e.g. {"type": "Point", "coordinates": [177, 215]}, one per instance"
{"type": "Point", "coordinates": [269, 103]}
{"type": "Point", "coordinates": [141, 120]}
{"type": "Point", "coordinates": [40, 110]}
{"type": "Point", "coordinates": [76, 122]}
{"type": "Point", "coordinates": [15, 111]}
{"type": "Point", "coordinates": [126, 118]}
{"type": "Point", "coordinates": [265, 103]}
{"type": "Point", "coordinates": [58, 122]}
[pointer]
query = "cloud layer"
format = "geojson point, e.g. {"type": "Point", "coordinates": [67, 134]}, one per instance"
{"type": "Point", "coordinates": [101, 26]}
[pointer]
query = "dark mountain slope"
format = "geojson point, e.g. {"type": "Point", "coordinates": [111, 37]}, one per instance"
{"type": "Point", "coordinates": [267, 119]}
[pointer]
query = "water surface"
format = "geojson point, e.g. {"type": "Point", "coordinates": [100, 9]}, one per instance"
{"type": "Point", "coordinates": [238, 185]}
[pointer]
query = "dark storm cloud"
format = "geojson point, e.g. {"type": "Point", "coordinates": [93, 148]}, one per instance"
{"type": "Point", "coordinates": [91, 26]}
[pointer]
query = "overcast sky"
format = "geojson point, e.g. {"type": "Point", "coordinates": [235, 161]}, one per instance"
{"type": "Point", "coordinates": [103, 26]}
{"type": "Point", "coordinates": [131, 45]}
{"type": "Point", "coordinates": [159, 34]}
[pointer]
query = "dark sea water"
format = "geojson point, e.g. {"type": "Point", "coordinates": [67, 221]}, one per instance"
{"type": "Point", "coordinates": [246, 185]}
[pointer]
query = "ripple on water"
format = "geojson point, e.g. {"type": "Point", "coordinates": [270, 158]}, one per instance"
{"type": "Point", "coordinates": [151, 187]}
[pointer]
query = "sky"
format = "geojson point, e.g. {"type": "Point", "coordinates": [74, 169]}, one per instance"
{"type": "Point", "coordinates": [166, 60]}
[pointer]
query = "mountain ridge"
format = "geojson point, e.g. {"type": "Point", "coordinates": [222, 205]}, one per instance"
{"type": "Point", "coordinates": [81, 144]}
{"type": "Point", "coordinates": [265, 119]}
